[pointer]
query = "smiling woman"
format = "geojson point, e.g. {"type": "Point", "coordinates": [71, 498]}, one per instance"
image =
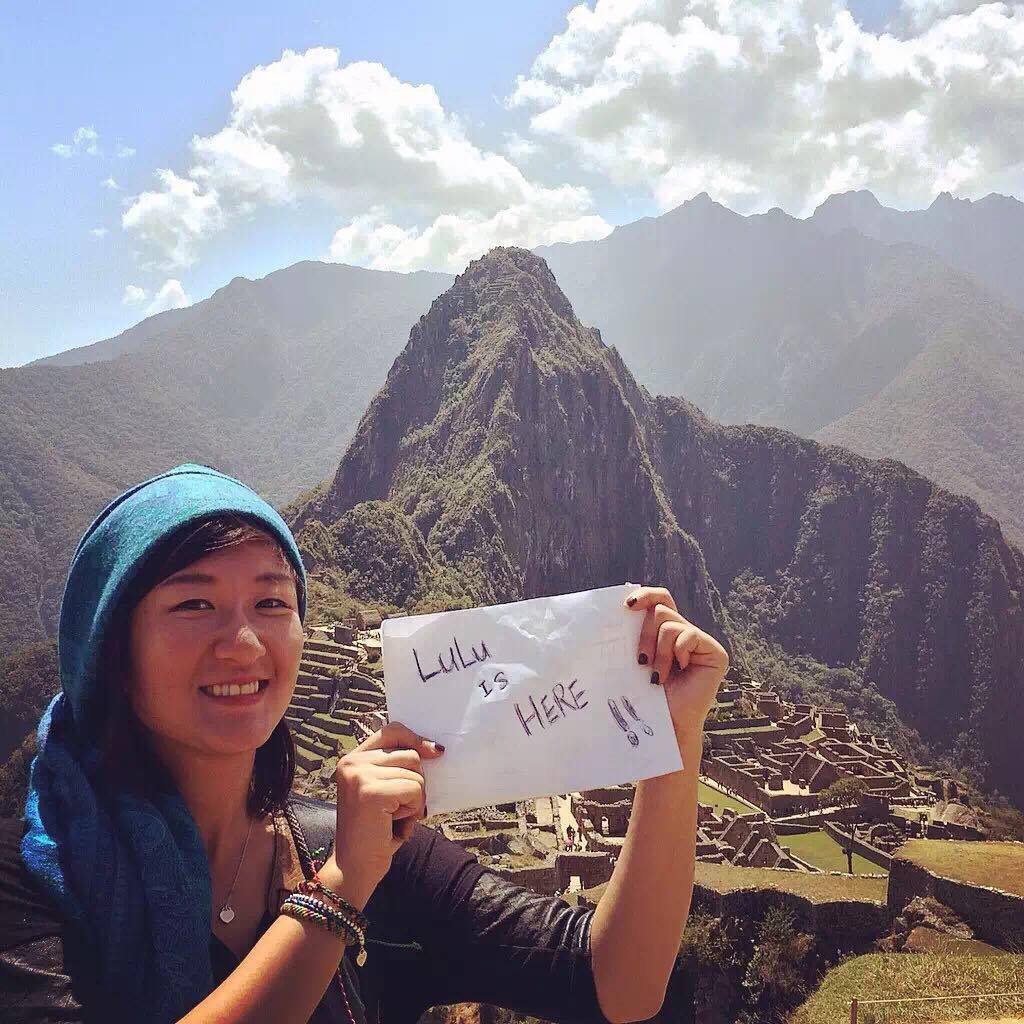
{"type": "Point", "coordinates": [163, 871]}
{"type": "Point", "coordinates": [170, 627]}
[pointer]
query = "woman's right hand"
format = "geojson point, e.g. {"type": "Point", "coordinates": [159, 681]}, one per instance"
{"type": "Point", "coordinates": [381, 795]}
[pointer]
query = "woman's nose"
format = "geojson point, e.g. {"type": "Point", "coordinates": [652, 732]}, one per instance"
{"type": "Point", "coordinates": [240, 640]}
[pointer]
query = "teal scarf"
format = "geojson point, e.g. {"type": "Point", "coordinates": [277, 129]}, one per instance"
{"type": "Point", "coordinates": [132, 876]}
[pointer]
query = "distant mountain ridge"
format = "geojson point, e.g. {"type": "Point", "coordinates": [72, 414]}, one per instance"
{"type": "Point", "coordinates": [302, 298]}
{"type": "Point", "coordinates": [885, 347]}
{"type": "Point", "coordinates": [983, 237]}
{"type": "Point", "coordinates": [512, 454]}
{"type": "Point", "coordinates": [265, 380]}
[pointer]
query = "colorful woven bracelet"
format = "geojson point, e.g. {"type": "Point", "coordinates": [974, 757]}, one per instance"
{"type": "Point", "coordinates": [314, 885]}
{"type": "Point", "coordinates": [309, 908]}
{"type": "Point", "coordinates": [324, 920]}
{"type": "Point", "coordinates": [338, 916]}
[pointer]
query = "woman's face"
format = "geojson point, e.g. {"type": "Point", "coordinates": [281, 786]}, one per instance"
{"type": "Point", "coordinates": [229, 618]}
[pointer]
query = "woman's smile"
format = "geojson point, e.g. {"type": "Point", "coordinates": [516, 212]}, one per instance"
{"type": "Point", "coordinates": [236, 693]}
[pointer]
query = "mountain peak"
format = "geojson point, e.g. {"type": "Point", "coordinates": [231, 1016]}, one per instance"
{"type": "Point", "coordinates": [507, 285]}
{"type": "Point", "coordinates": [856, 201]}
{"type": "Point", "coordinates": [947, 201]}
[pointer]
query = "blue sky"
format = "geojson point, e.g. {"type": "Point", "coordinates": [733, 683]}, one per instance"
{"type": "Point", "coordinates": [151, 78]}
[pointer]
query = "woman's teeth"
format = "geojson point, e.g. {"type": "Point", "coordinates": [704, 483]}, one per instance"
{"type": "Point", "coordinates": [232, 689]}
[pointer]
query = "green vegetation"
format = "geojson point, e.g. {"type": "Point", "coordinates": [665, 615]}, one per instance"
{"type": "Point", "coordinates": [709, 795]}
{"type": "Point", "coordinates": [996, 864]}
{"type": "Point", "coordinates": [817, 847]}
{"type": "Point", "coordinates": [375, 554]}
{"type": "Point", "coordinates": [14, 774]}
{"type": "Point", "coordinates": [742, 707]}
{"type": "Point", "coordinates": [912, 976]}
{"type": "Point", "coordinates": [774, 977]}
{"type": "Point", "coordinates": [706, 939]}
{"type": "Point", "coordinates": [821, 888]}
{"type": "Point", "coordinates": [29, 677]}
{"type": "Point", "coordinates": [799, 678]}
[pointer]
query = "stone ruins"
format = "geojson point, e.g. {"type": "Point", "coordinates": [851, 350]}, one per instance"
{"type": "Point", "coordinates": [766, 764]}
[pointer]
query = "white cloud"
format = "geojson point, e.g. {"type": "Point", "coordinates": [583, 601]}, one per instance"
{"type": "Point", "coordinates": [175, 219]}
{"type": "Point", "coordinates": [518, 148]}
{"type": "Point", "coordinates": [781, 103]}
{"type": "Point", "coordinates": [123, 152]}
{"type": "Point", "coordinates": [360, 139]}
{"type": "Point", "coordinates": [85, 140]}
{"type": "Point", "coordinates": [98, 232]}
{"type": "Point", "coordinates": [452, 240]}
{"type": "Point", "coordinates": [914, 16]}
{"type": "Point", "coordinates": [111, 184]}
{"type": "Point", "coordinates": [170, 295]}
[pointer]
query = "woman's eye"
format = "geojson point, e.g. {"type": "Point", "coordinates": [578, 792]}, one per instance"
{"type": "Point", "coordinates": [194, 604]}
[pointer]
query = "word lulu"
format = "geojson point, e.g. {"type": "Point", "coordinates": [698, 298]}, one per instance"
{"type": "Point", "coordinates": [454, 652]}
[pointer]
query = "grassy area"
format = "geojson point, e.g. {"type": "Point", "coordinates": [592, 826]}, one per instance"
{"type": "Point", "coordinates": [996, 864]}
{"type": "Point", "coordinates": [911, 975]}
{"type": "Point", "coordinates": [708, 795]}
{"type": "Point", "coordinates": [745, 729]}
{"type": "Point", "coordinates": [817, 847]}
{"type": "Point", "coordinates": [347, 743]}
{"type": "Point", "coordinates": [819, 888]}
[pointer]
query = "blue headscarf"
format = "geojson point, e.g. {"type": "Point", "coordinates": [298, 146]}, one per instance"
{"type": "Point", "coordinates": [130, 873]}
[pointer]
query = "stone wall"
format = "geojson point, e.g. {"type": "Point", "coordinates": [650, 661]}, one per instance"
{"type": "Point", "coordinates": [866, 850]}
{"type": "Point", "coordinates": [737, 723]}
{"type": "Point", "coordinates": [842, 925]}
{"type": "Point", "coordinates": [554, 877]}
{"type": "Point", "coordinates": [996, 917]}
{"type": "Point", "coordinates": [775, 804]}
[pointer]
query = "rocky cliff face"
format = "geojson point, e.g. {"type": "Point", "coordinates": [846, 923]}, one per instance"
{"type": "Point", "coordinates": [865, 564]}
{"type": "Point", "coordinates": [515, 443]}
{"type": "Point", "coordinates": [516, 456]}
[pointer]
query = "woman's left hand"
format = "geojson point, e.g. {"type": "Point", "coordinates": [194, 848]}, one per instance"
{"type": "Point", "coordinates": [688, 662]}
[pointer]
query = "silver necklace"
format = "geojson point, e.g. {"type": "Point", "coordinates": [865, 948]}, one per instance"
{"type": "Point", "coordinates": [227, 915]}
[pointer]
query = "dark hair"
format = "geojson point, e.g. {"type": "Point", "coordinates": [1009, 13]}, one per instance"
{"type": "Point", "coordinates": [127, 760]}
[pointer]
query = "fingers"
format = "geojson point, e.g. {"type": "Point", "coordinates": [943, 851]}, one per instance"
{"type": "Point", "coordinates": [675, 642]}
{"type": "Point", "coordinates": [398, 797]}
{"type": "Point", "coordinates": [409, 759]}
{"type": "Point", "coordinates": [395, 736]}
{"type": "Point", "coordinates": [648, 597]}
{"type": "Point", "coordinates": [656, 619]}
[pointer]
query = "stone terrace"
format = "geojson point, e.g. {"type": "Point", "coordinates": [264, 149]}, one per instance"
{"type": "Point", "coordinates": [339, 695]}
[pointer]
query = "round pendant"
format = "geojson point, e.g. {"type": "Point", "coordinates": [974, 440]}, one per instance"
{"type": "Point", "coordinates": [227, 915]}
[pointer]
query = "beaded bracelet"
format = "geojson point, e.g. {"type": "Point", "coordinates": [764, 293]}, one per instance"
{"type": "Point", "coordinates": [324, 918]}
{"type": "Point", "coordinates": [336, 921]}
{"type": "Point", "coordinates": [343, 915]}
{"type": "Point", "coordinates": [339, 917]}
{"type": "Point", "coordinates": [307, 914]}
{"type": "Point", "coordinates": [314, 885]}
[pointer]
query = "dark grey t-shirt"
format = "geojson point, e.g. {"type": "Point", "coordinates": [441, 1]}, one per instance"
{"type": "Point", "coordinates": [444, 929]}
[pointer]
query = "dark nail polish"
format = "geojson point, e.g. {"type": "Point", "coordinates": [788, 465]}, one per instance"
{"type": "Point", "coordinates": [631, 602]}
{"type": "Point", "coordinates": [654, 678]}
{"type": "Point", "coordinates": [642, 658]}
{"type": "Point", "coordinates": [439, 747]}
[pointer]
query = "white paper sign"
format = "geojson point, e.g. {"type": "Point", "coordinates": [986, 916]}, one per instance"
{"type": "Point", "coordinates": [529, 699]}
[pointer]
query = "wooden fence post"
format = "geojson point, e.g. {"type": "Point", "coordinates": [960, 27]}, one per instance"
{"type": "Point", "coordinates": [853, 1011]}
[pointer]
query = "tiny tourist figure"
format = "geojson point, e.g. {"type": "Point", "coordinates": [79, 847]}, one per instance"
{"type": "Point", "coordinates": [164, 870]}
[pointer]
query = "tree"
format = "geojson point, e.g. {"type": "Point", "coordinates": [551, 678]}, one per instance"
{"type": "Point", "coordinates": [845, 792]}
